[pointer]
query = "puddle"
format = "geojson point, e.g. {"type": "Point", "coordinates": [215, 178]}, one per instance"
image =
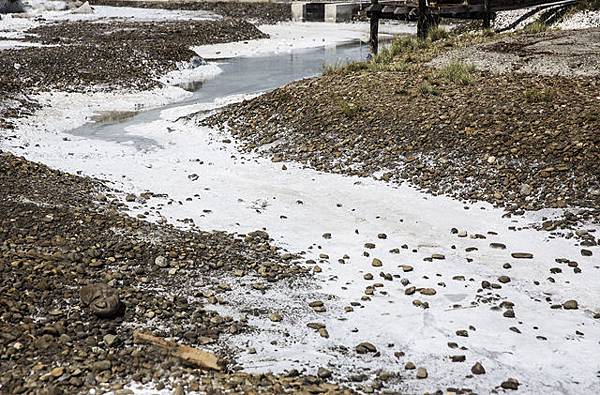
{"type": "Point", "coordinates": [108, 117]}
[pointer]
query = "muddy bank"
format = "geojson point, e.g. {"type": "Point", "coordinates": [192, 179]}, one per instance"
{"type": "Point", "coordinates": [522, 141]}
{"type": "Point", "coordinates": [256, 12]}
{"type": "Point", "coordinates": [60, 232]}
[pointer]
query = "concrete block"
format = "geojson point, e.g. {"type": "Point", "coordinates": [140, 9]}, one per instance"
{"type": "Point", "coordinates": [298, 11]}
{"type": "Point", "coordinates": [340, 12]}
{"type": "Point", "coordinates": [308, 12]}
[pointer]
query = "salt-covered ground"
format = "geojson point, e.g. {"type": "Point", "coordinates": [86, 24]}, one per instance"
{"type": "Point", "coordinates": [14, 26]}
{"type": "Point", "coordinates": [547, 350]}
{"type": "Point", "coordinates": [580, 20]}
{"type": "Point", "coordinates": [553, 351]}
{"type": "Point", "coordinates": [571, 21]}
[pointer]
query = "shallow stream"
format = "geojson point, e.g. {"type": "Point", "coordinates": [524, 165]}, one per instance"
{"type": "Point", "coordinates": [239, 76]}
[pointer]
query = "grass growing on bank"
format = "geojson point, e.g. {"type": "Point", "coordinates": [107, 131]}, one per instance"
{"type": "Point", "coordinates": [427, 89]}
{"type": "Point", "coordinates": [536, 27]}
{"type": "Point", "coordinates": [385, 60]}
{"type": "Point", "coordinates": [399, 46]}
{"type": "Point", "coordinates": [344, 68]}
{"type": "Point", "coordinates": [349, 109]}
{"type": "Point", "coordinates": [408, 52]}
{"type": "Point", "coordinates": [458, 72]}
{"type": "Point", "coordinates": [437, 33]}
{"type": "Point", "coordinates": [534, 95]}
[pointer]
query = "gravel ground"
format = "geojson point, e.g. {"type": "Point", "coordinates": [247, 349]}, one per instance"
{"type": "Point", "coordinates": [553, 53]}
{"type": "Point", "coordinates": [60, 232]}
{"type": "Point", "coordinates": [265, 13]}
{"type": "Point", "coordinates": [523, 141]}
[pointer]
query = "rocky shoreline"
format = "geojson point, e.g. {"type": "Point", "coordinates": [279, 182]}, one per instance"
{"type": "Point", "coordinates": [77, 56]}
{"type": "Point", "coordinates": [61, 233]}
{"type": "Point", "coordinates": [520, 141]}
{"type": "Point", "coordinates": [54, 244]}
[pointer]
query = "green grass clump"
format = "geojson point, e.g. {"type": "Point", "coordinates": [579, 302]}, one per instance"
{"type": "Point", "coordinates": [399, 46]}
{"type": "Point", "coordinates": [536, 27]}
{"type": "Point", "coordinates": [458, 72]}
{"type": "Point", "coordinates": [385, 60]}
{"type": "Point", "coordinates": [338, 67]}
{"type": "Point", "coordinates": [427, 89]}
{"type": "Point", "coordinates": [535, 95]}
{"type": "Point", "coordinates": [349, 109]}
{"type": "Point", "coordinates": [437, 33]}
{"type": "Point", "coordinates": [341, 69]}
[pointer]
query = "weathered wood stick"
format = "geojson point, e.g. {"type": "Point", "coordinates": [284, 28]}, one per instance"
{"type": "Point", "coordinates": [191, 355]}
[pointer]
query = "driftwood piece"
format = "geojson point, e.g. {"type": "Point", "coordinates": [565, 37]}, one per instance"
{"type": "Point", "coordinates": [190, 355]}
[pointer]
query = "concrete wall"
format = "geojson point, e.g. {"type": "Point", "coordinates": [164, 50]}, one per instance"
{"type": "Point", "coordinates": [330, 11]}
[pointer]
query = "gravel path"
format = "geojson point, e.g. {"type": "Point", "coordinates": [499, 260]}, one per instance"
{"type": "Point", "coordinates": [553, 53]}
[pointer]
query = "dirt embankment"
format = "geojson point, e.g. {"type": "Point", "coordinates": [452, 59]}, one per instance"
{"type": "Point", "coordinates": [59, 232]}
{"type": "Point", "coordinates": [257, 12]}
{"type": "Point", "coordinates": [523, 141]}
